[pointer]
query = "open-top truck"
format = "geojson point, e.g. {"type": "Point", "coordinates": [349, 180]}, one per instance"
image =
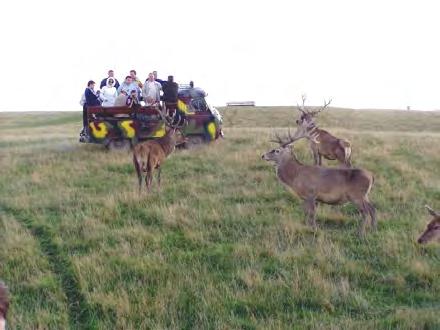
{"type": "Point", "coordinates": [122, 127]}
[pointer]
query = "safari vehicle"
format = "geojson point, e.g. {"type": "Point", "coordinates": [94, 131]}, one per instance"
{"type": "Point", "coordinates": [122, 127]}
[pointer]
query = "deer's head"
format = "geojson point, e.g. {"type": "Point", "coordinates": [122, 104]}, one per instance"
{"type": "Point", "coordinates": [432, 231]}
{"type": "Point", "coordinates": [307, 115]}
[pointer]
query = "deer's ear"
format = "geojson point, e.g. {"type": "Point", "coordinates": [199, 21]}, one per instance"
{"type": "Point", "coordinates": [431, 211]}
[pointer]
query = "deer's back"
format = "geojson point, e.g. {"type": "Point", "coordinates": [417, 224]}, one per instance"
{"type": "Point", "coordinates": [329, 185]}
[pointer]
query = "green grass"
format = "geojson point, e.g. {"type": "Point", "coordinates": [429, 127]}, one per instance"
{"type": "Point", "coordinates": [223, 245]}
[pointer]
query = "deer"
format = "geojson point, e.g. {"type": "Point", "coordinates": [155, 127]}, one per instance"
{"type": "Point", "coordinates": [326, 145]}
{"type": "Point", "coordinates": [313, 183]}
{"type": "Point", "coordinates": [148, 156]}
{"type": "Point", "coordinates": [4, 305]}
{"type": "Point", "coordinates": [432, 231]}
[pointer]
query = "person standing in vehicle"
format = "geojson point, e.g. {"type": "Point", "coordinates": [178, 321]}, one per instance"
{"type": "Point", "coordinates": [121, 99]}
{"type": "Point", "coordinates": [92, 99]}
{"type": "Point", "coordinates": [151, 90]}
{"type": "Point", "coordinates": [109, 93]}
{"type": "Point", "coordinates": [135, 79]}
{"type": "Point", "coordinates": [111, 74]}
{"type": "Point", "coordinates": [160, 81]}
{"type": "Point", "coordinates": [170, 91]}
{"type": "Point", "coordinates": [128, 85]}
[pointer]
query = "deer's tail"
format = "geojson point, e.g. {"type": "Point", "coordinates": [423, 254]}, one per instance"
{"type": "Point", "coordinates": [347, 149]}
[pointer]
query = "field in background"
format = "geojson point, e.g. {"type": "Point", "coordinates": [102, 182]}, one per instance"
{"type": "Point", "coordinates": [223, 245]}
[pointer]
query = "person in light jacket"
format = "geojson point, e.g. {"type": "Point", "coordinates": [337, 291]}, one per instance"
{"type": "Point", "coordinates": [151, 90]}
{"type": "Point", "coordinates": [108, 93]}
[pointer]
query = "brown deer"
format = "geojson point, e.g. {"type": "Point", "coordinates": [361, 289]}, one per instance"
{"type": "Point", "coordinates": [432, 231]}
{"type": "Point", "coordinates": [325, 145]}
{"type": "Point", "coordinates": [150, 155]}
{"type": "Point", "coordinates": [4, 305]}
{"type": "Point", "coordinates": [320, 184]}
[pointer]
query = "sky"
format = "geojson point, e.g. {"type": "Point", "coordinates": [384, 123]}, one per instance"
{"type": "Point", "coordinates": [362, 54]}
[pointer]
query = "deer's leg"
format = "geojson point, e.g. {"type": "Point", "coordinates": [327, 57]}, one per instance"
{"type": "Point", "coordinates": [315, 153]}
{"type": "Point", "coordinates": [310, 208]}
{"type": "Point", "coordinates": [363, 210]}
{"type": "Point", "coordinates": [148, 179]}
{"type": "Point", "coordinates": [372, 212]}
{"type": "Point", "coordinates": [158, 177]}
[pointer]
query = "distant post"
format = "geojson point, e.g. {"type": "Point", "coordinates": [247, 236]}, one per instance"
{"type": "Point", "coordinates": [408, 108]}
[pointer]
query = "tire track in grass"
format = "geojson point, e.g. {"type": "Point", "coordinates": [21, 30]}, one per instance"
{"type": "Point", "coordinates": [80, 313]}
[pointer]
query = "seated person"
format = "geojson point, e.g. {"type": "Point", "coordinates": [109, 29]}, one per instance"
{"type": "Point", "coordinates": [132, 99]}
{"type": "Point", "coordinates": [121, 100]}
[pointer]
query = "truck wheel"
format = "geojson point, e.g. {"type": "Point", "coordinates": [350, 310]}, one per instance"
{"type": "Point", "coordinates": [118, 145]}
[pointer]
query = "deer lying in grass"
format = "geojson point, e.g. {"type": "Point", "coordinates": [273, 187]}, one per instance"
{"type": "Point", "coordinates": [320, 184]}
{"type": "Point", "coordinates": [4, 305]}
{"type": "Point", "coordinates": [432, 231]}
{"type": "Point", "coordinates": [150, 155]}
{"type": "Point", "coordinates": [326, 145]}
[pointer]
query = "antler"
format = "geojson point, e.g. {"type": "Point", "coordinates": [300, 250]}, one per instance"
{"type": "Point", "coordinates": [302, 108]}
{"type": "Point", "coordinates": [431, 211]}
{"type": "Point", "coordinates": [308, 132]}
{"type": "Point", "coordinates": [316, 111]}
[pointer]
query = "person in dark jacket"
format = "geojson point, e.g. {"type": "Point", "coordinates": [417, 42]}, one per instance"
{"type": "Point", "coordinates": [92, 99]}
{"type": "Point", "coordinates": [170, 94]}
{"type": "Point", "coordinates": [111, 74]}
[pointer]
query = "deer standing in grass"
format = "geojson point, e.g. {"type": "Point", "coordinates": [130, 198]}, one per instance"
{"type": "Point", "coordinates": [432, 231]}
{"type": "Point", "coordinates": [326, 145]}
{"type": "Point", "coordinates": [150, 155]}
{"type": "Point", "coordinates": [315, 184]}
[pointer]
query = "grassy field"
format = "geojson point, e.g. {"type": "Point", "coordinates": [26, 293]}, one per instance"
{"type": "Point", "coordinates": [223, 245]}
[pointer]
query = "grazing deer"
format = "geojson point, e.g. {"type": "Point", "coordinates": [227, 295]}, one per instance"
{"type": "Point", "coordinates": [4, 305]}
{"type": "Point", "coordinates": [150, 155]}
{"type": "Point", "coordinates": [320, 184]}
{"type": "Point", "coordinates": [432, 231]}
{"type": "Point", "coordinates": [325, 145]}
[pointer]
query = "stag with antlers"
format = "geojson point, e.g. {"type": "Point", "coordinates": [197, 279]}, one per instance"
{"type": "Point", "coordinates": [150, 155]}
{"type": "Point", "coordinates": [432, 231]}
{"type": "Point", "coordinates": [325, 145]}
{"type": "Point", "coordinates": [315, 184]}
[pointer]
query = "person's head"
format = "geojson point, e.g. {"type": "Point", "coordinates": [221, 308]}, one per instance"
{"type": "Point", "coordinates": [4, 305]}
{"type": "Point", "coordinates": [133, 92]}
{"type": "Point", "coordinates": [124, 92]}
{"type": "Point", "coordinates": [128, 79]}
{"type": "Point", "coordinates": [151, 76]}
{"type": "Point", "coordinates": [91, 84]}
{"type": "Point", "coordinates": [133, 74]}
{"type": "Point", "coordinates": [191, 84]}
{"type": "Point", "coordinates": [155, 74]}
{"type": "Point", "coordinates": [111, 73]}
{"type": "Point", "coordinates": [170, 78]}
{"type": "Point", "coordinates": [110, 82]}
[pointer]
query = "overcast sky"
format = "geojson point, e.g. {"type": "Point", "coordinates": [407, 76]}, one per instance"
{"type": "Point", "coordinates": [363, 54]}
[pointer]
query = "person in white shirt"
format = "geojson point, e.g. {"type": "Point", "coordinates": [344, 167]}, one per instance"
{"type": "Point", "coordinates": [151, 90]}
{"type": "Point", "coordinates": [109, 93]}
